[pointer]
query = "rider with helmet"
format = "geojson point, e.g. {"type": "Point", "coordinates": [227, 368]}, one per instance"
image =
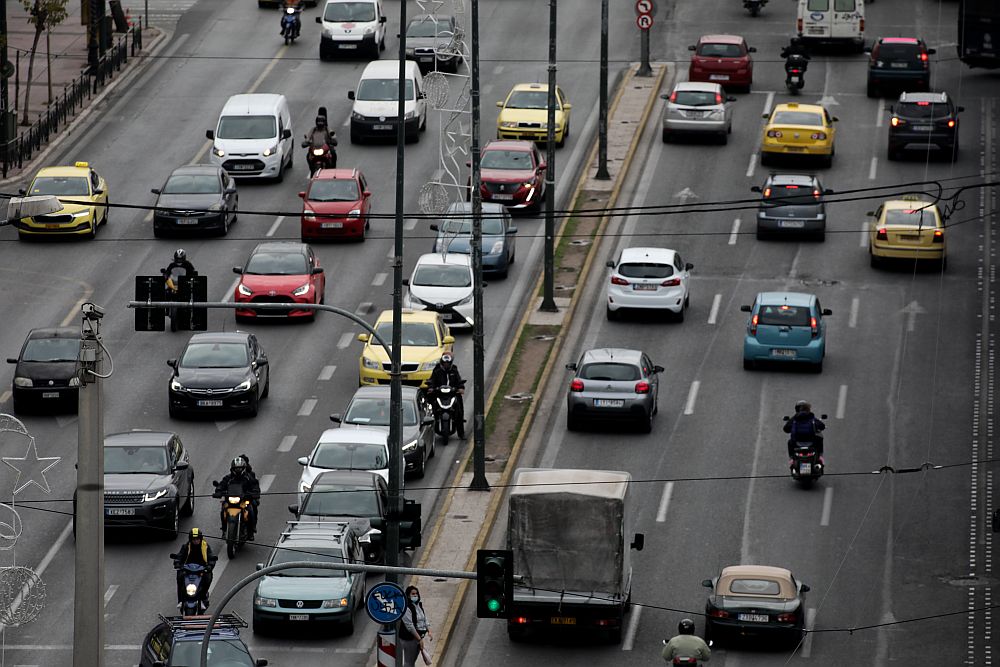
{"type": "Point", "coordinates": [241, 473]}
{"type": "Point", "coordinates": [804, 426]}
{"type": "Point", "coordinates": [180, 261]}
{"type": "Point", "coordinates": [686, 644]}
{"type": "Point", "coordinates": [321, 135]}
{"type": "Point", "coordinates": [195, 550]}
{"type": "Point", "coordinates": [445, 372]}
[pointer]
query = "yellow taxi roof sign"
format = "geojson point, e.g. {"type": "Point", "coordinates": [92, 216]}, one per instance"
{"type": "Point", "coordinates": [81, 165]}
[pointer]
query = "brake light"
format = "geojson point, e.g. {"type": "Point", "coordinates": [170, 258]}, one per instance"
{"type": "Point", "coordinates": [819, 136]}
{"type": "Point", "coordinates": [951, 123]}
{"type": "Point", "coordinates": [923, 104]}
{"type": "Point", "coordinates": [798, 25]}
{"type": "Point", "coordinates": [938, 236]}
{"type": "Point", "coordinates": [791, 187]}
{"type": "Point", "coordinates": [673, 96]}
{"type": "Point", "coordinates": [861, 25]}
{"type": "Point", "coordinates": [881, 234]}
{"type": "Point", "coordinates": [520, 620]}
{"type": "Point", "coordinates": [895, 121]}
{"type": "Point", "coordinates": [718, 613]}
{"type": "Point", "coordinates": [767, 192]}
{"type": "Point", "coordinates": [753, 325]}
{"type": "Point", "coordinates": [642, 387]}
{"type": "Point", "coordinates": [617, 280]}
{"type": "Point", "coordinates": [776, 134]}
{"type": "Point", "coordinates": [787, 618]}
{"type": "Point", "coordinates": [816, 194]}
{"type": "Point", "coordinates": [671, 282]}
{"type": "Point", "coordinates": [923, 56]}
{"type": "Point", "coordinates": [718, 98]}
{"type": "Point", "coordinates": [576, 385]}
{"type": "Point", "coordinates": [814, 326]}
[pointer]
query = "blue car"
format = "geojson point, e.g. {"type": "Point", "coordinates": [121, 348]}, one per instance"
{"type": "Point", "coordinates": [455, 235]}
{"type": "Point", "coordinates": [785, 327]}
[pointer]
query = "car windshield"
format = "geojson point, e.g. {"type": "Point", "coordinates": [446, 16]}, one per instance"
{"type": "Point", "coordinates": [221, 653]}
{"type": "Point", "coordinates": [529, 99]}
{"type": "Point", "coordinates": [276, 264]}
{"type": "Point", "coordinates": [754, 587]}
{"type": "Point", "coordinates": [463, 226]}
{"type": "Point", "coordinates": [496, 159]}
{"type": "Point", "coordinates": [442, 275]}
{"type": "Point", "coordinates": [382, 90]}
{"type": "Point", "coordinates": [782, 195]}
{"type": "Point", "coordinates": [428, 27]}
{"type": "Point", "coordinates": [350, 456]}
{"type": "Point", "coordinates": [797, 118]}
{"type": "Point", "coordinates": [907, 216]}
{"type": "Point", "coordinates": [609, 372]}
{"type": "Point", "coordinates": [356, 501]}
{"type": "Point", "coordinates": [695, 98]}
{"type": "Point", "coordinates": [215, 355]}
{"type": "Point", "coordinates": [333, 189]}
{"type": "Point", "coordinates": [192, 184]}
{"type": "Point", "coordinates": [61, 186]}
{"type": "Point", "coordinates": [122, 460]}
{"type": "Point", "coordinates": [924, 110]}
{"type": "Point", "coordinates": [310, 553]}
{"type": "Point", "coordinates": [420, 334]}
{"type": "Point", "coordinates": [51, 349]}
{"type": "Point", "coordinates": [247, 127]}
{"type": "Point", "coordinates": [794, 316]}
{"type": "Point", "coordinates": [375, 412]}
{"type": "Point", "coordinates": [712, 50]}
{"type": "Point", "coordinates": [349, 12]}
{"type": "Point", "coordinates": [645, 270]}
{"type": "Point", "coordinates": [894, 51]}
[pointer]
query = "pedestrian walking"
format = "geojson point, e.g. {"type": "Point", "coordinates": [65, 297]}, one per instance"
{"type": "Point", "coordinates": [413, 629]}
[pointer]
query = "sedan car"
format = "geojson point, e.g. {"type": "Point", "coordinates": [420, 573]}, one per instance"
{"type": "Point", "coordinates": [524, 114]}
{"type": "Point", "coordinates": [697, 108]}
{"type": "Point", "coordinates": [785, 327]}
{"type": "Point", "coordinates": [924, 122]}
{"type": "Point", "coordinates": [648, 279]}
{"type": "Point", "coordinates": [499, 242]}
{"type": "Point", "coordinates": [425, 338]}
{"type": "Point", "coordinates": [909, 228]}
{"type": "Point", "coordinates": [723, 59]}
{"type": "Point", "coordinates": [195, 198]}
{"type": "Point", "coordinates": [798, 129]}
{"type": "Point", "coordinates": [219, 372]}
{"type": "Point", "coordinates": [900, 63]}
{"type": "Point", "coordinates": [335, 205]}
{"type": "Point", "coordinates": [435, 42]}
{"type": "Point", "coordinates": [613, 384]}
{"type": "Point", "coordinates": [81, 191]}
{"type": "Point", "coordinates": [45, 375]}
{"type": "Point", "coordinates": [755, 600]}
{"type": "Point", "coordinates": [361, 448]}
{"type": "Point", "coordinates": [442, 283]}
{"type": "Point", "coordinates": [513, 174]}
{"type": "Point", "coordinates": [791, 204]}
{"type": "Point", "coordinates": [280, 272]}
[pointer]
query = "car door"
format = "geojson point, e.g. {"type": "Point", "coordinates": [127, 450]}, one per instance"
{"type": "Point", "coordinates": [651, 377]}
{"type": "Point", "coordinates": [830, 127]}
{"type": "Point", "coordinates": [261, 370]}
{"type": "Point", "coordinates": [99, 192]}
{"type": "Point", "coordinates": [318, 280]}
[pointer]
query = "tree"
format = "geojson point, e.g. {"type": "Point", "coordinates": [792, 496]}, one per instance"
{"type": "Point", "coordinates": [43, 14]}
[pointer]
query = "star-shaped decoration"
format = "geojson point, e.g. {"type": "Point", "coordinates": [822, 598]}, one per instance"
{"type": "Point", "coordinates": [30, 468]}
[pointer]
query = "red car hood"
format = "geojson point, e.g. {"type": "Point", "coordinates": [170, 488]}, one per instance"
{"type": "Point", "coordinates": [280, 284]}
{"type": "Point", "coordinates": [508, 175]}
{"type": "Point", "coordinates": [332, 208]}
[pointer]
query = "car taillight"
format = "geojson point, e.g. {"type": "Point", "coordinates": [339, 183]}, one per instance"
{"type": "Point", "coordinates": [774, 133]}
{"type": "Point", "coordinates": [642, 387]}
{"type": "Point", "coordinates": [881, 234]}
{"type": "Point", "coordinates": [951, 123]}
{"type": "Point", "coordinates": [819, 136]}
{"type": "Point", "coordinates": [576, 385]}
{"type": "Point", "coordinates": [895, 121]}
{"type": "Point", "coordinates": [671, 282]}
{"type": "Point", "coordinates": [787, 618]}
{"type": "Point", "coordinates": [923, 104]}
{"type": "Point", "coordinates": [673, 96]}
{"type": "Point", "coordinates": [618, 280]}
{"type": "Point", "coordinates": [753, 325]}
{"type": "Point", "coordinates": [718, 613]}
{"type": "Point", "coordinates": [814, 326]}
{"type": "Point", "coordinates": [861, 25]}
{"type": "Point", "coordinates": [816, 194]}
{"type": "Point", "coordinates": [923, 56]}
{"type": "Point", "coordinates": [718, 98]}
{"type": "Point", "coordinates": [767, 192]}
{"type": "Point", "coordinates": [520, 620]}
{"type": "Point", "coordinates": [938, 236]}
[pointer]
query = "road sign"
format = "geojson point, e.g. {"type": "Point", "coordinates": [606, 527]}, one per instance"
{"type": "Point", "coordinates": [7, 70]}
{"type": "Point", "coordinates": [644, 7]}
{"type": "Point", "coordinates": [385, 603]}
{"type": "Point", "coordinates": [644, 21]}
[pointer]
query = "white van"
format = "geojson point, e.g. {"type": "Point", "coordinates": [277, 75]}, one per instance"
{"type": "Point", "coordinates": [832, 22]}
{"type": "Point", "coordinates": [350, 26]}
{"type": "Point", "coordinates": [254, 136]}
{"type": "Point", "coordinates": [376, 102]}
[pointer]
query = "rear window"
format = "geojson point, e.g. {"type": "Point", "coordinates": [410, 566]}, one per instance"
{"type": "Point", "coordinates": [609, 371]}
{"type": "Point", "coordinates": [792, 316]}
{"type": "Point", "coordinates": [818, 5]}
{"type": "Point", "coordinates": [645, 270]}
{"type": "Point", "coordinates": [720, 50]}
{"type": "Point", "coordinates": [797, 118]}
{"type": "Point", "coordinates": [844, 5]}
{"type": "Point", "coordinates": [896, 51]}
{"type": "Point", "coordinates": [755, 587]}
{"type": "Point", "coordinates": [695, 98]}
{"type": "Point", "coordinates": [779, 195]}
{"type": "Point", "coordinates": [924, 110]}
{"type": "Point", "coordinates": [916, 217]}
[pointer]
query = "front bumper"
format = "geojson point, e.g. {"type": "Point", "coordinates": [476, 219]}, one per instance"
{"type": "Point", "coordinates": [510, 195]}
{"type": "Point", "coordinates": [812, 353]}
{"type": "Point", "coordinates": [282, 615]}
{"type": "Point", "coordinates": [371, 126]}
{"type": "Point", "coordinates": [140, 514]}
{"type": "Point", "coordinates": [275, 314]}
{"type": "Point", "coordinates": [373, 377]}
{"type": "Point", "coordinates": [176, 222]}
{"type": "Point", "coordinates": [209, 404]}
{"type": "Point", "coordinates": [249, 166]}
{"type": "Point", "coordinates": [47, 396]}
{"type": "Point", "coordinates": [320, 227]}
{"type": "Point", "coordinates": [539, 135]}
{"type": "Point", "coordinates": [76, 227]}
{"type": "Point", "coordinates": [346, 44]}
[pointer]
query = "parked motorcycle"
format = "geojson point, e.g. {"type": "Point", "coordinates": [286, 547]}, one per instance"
{"type": "Point", "coordinates": [444, 404]}
{"type": "Point", "coordinates": [319, 157]}
{"type": "Point", "coordinates": [754, 6]}
{"type": "Point", "coordinates": [236, 517]}
{"type": "Point", "coordinates": [194, 601]}
{"type": "Point", "coordinates": [795, 72]}
{"type": "Point", "coordinates": [291, 24]}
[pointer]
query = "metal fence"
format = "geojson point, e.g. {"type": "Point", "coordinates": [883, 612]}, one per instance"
{"type": "Point", "coordinates": [19, 150]}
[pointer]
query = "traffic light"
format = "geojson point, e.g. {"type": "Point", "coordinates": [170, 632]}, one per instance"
{"type": "Point", "coordinates": [409, 525]}
{"type": "Point", "coordinates": [494, 583]}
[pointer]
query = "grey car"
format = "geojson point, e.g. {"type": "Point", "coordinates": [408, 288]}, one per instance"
{"type": "Point", "coordinates": [499, 240]}
{"type": "Point", "coordinates": [613, 384]}
{"type": "Point", "coordinates": [434, 42]}
{"type": "Point", "coordinates": [195, 198]}
{"type": "Point", "coordinates": [791, 204]}
{"type": "Point", "coordinates": [698, 108]}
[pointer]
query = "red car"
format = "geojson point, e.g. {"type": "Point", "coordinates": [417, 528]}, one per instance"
{"type": "Point", "coordinates": [336, 205]}
{"type": "Point", "coordinates": [512, 174]}
{"type": "Point", "coordinates": [280, 272]}
{"type": "Point", "coordinates": [723, 59]}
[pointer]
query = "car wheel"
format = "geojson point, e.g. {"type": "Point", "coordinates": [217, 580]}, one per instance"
{"type": "Point", "coordinates": [872, 91]}
{"type": "Point", "coordinates": [433, 450]}
{"type": "Point", "coordinates": [818, 368]}
{"type": "Point", "coordinates": [748, 365]}
{"type": "Point", "coordinates": [92, 232]}
{"type": "Point", "coordinates": [873, 260]}
{"type": "Point", "coordinates": [502, 275]}
{"type": "Point", "coordinates": [892, 154]}
{"type": "Point", "coordinates": [267, 388]}
{"type": "Point", "coordinates": [188, 509]}
{"type": "Point", "coordinates": [259, 627]}
{"type": "Point", "coordinates": [254, 406]}
{"type": "Point", "coordinates": [349, 626]}
{"type": "Point", "coordinates": [646, 425]}
{"type": "Point", "coordinates": [612, 314]}
{"type": "Point", "coordinates": [666, 137]}
{"type": "Point", "coordinates": [175, 413]}
{"type": "Point", "coordinates": [765, 159]}
{"type": "Point", "coordinates": [322, 52]}
{"type": "Point", "coordinates": [422, 470]}
{"type": "Point", "coordinates": [172, 525]}
{"type": "Point", "coordinates": [761, 235]}
{"type": "Point", "coordinates": [687, 301]}
{"type": "Point", "coordinates": [572, 424]}
{"type": "Point", "coordinates": [954, 153]}
{"type": "Point", "coordinates": [515, 635]}
{"type": "Point", "coordinates": [615, 635]}
{"type": "Point", "coordinates": [723, 138]}
{"type": "Point", "coordinates": [679, 315]}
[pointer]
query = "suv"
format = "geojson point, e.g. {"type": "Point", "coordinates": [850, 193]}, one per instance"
{"type": "Point", "coordinates": [924, 121]}
{"type": "Point", "coordinates": [176, 640]}
{"type": "Point", "coordinates": [791, 204]}
{"type": "Point", "coordinates": [435, 42]}
{"type": "Point", "coordinates": [318, 596]}
{"type": "Point", "coordinates": [900, 62]}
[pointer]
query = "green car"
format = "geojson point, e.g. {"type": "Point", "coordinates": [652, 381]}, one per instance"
{"type": "Point", "coordinates": [312, 596]}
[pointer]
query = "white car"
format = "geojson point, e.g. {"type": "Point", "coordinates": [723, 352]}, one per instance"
{"type": "Point", "coordinates": [359, 448]}
{"type": "Point", "coordinates": [696, 107]}
{"type": "Point", "coordinates": [648, 279]}
{"type": "Point", "coordinates": [442, 282]}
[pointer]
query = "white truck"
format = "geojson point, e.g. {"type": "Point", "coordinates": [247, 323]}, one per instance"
{"type": "Point", "coordinates": [568, 531]}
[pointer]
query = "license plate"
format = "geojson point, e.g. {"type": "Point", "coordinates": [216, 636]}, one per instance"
{"type": "Point", "coordinates": [609, 403]}
{"type": "Point", "coordinates": [53, 226]}
{"type": "Point", "coordinates": [753, 618]}
{"type": "Point", "coordinates": [898, 65]}
{"type": "Point", "coordinates": [815, 30]}
{"type": "Point", "coordinates": [923, 128]}
{"type": "Point", "coordinates": [298, 617]}
{"type": "Point", "coordinates": [426, 59]}
{"type": "Point", "coordinates": [332, 225]}
{"type": "Point", "coordinates": [718, 77]}
{"type": "Point", "coordinates": [346, 46]}
{"type": "Point", "coordinates": [643, 288]}
{"type": "Point", "coordinates": [782, 353]}
{"type": "Point", "coordinates": [381, 127]}
{"type": "Point", "coordinates": [805, 468]}
{"type": "Point", "coordinates": [910, 237]}
{"type": "Point", "coordinates": [503, 197]}
{"type": "Point", "coordinates": [119, 511]}
{"type": "Point", "coordinates": [792, 224]}
{"type": "Point", "coordinates": [210, 403]}
{"type": "Point", "coordinates": [242, 167]}
{"type": "Point", "coordinates": [562, 620]}
{"type": "Point", "coordinates": [187, 221]}
{"type": "Point", "coordinates": [794, 149]}
{"type": "Point", "coordinates": [50, 394]}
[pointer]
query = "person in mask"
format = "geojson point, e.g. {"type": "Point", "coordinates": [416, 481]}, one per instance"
{"type": "Point", "coordinates": [413, 628]}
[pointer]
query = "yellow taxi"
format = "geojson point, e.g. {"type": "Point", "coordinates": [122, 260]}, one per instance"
{"type": "Point", "coordinates": [425, 338]}
{"type": "Point", "coordinates": [524, 114]}
{"type": "Point", "coordinates": [798, 129]}
{"type": "Point", "coordinates": [80, 190]}
{"type": "Point", "coordinates": [907, 228]}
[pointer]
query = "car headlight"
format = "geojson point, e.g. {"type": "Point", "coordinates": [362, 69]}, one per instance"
{"type": "Point", "coordinates": [410, 446]}
{"type": "Point", "coordinates": [244, 290]}
{"type": "Point", "coordinates": [309, 214]}
{"type": "Point", "coordinates": [496, 249]}
{"type": "Point", "coordinates": [150, 496]}
{"type": "Point", "coordinates": [302, 289]}
{"type": "Point", "coordinates": [409, 114]}
{"type": "Point", "coordinates": [74, 382]}
{"type": "Point", "coordinates": [334, 604]}
{"type": "Point", "coordinates": [81, 214]}
{"type": "Point", "coordinates": [357, 116]}
{"type": "Point", "coordinates": [367, 537]}
{"type": "Point", "coordinates": [428, 365]}
{"type": "Point", "coordinates": [264, 602]}
{"type": "Point", "coordinates": [355, 213]}
{"type": "Point", "coordinates": [191, 589]}
{"type": "Point", "coordinates": [373, 364]}
{"type": "Point", "coordinates": [369, 31]}
{"type": "Point", "coordinates": [242, 386]}
{"type": "Point", "coordinates": [271, 151]}
{"type": "Point", "coordinates": [306, 488]}
{"type": "Point", "coordinates": [409, 52]}
{"type": "Point", "coordinates": [508, 123]}
{"type": "Point", "coordinates": [23, 382]}
{"type": "Point", "coordinates": [528, 184]}
{"type": "Point", "coordinates": [175, 385]}
{"type": "Point", "coordinates": [465, 300]}
{"type": "Point", "coordinates": [218, 152]}
{"type": "Point", "coordinates": [217, 206]}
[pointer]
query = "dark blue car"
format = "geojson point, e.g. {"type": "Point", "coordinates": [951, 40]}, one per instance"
{"type": "Point", "coordinates": [455, 235]}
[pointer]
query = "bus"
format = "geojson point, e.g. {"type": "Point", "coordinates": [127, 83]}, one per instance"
{"type": "Point", "coordinates": [979, 33]}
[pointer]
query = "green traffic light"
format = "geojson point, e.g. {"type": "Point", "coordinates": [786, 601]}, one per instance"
{"type": "Point", "coordinates": [493, 605]}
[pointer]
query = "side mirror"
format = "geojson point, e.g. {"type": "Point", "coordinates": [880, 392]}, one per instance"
{"type": "Point", "coordinates": [434, 227]}
{"type": "Point", "coordinates": [805, 588]}
{"type": "Point", "coordinates": [828, 191]}
{"type": "Point", "coordinates": [639, 542]}
{"type": "Point", "coordinates": [931, 52]}
{"type": "Point", "coordinates": [752, 49]}
{"type": "Point", "coordinates": [215, 482]}
{"type": "Point", "coordinates": [512, 230]}
{"type": "Point", "coordinates": [427, 421]}
{"type": "Point", "coordinates": [237, 270]}
{"type": "Point", "coordinates": [756, 188]}
{"type": "Point", "coordinates": [22, 191]}
{"type": "Point", "coordinates": [691, 48]}
{"type": "Point", "coordinates": [746, 309]}
{"type": "Point", "coordinates": [657, 369]}
{"type": "Point", "coordinates": [98, 191]}
{"type": "Point", "coordinates": [730, 98]}
{"type": "Point", "coordinates": [303, 460]}
{"type": "Point", "coordinates": [870, 214]}
{"type": "Point", "coordinates": [182, 465]}
{"type": "Point", "coordinates": [231, 190]}
{"type": "Point", "coordinates": [366, 194]}
{"type": "Point", "coordinates": [542, 166]}
{"type": "Point", "coordinates": [664, 96]}
{"type": "Point", "coordinates": [306, 144]}
{"type": "Point", "coordinates": [319, 20]}
{"type": "Point", "coordinates": [406, 281]}
{"type": "Point", "coordinates": [610, 263]}
{"type": "Point", "coordinates": [567, 106]}
{"type": "Point", "coordinates": [688, 266]}
{"type": "Point", "coordinates": [317, 270]}
{"type": "Point", "coordinates": [500, 104]}
{"type": "Point", "coordinates": [397, 35]}
{"type": "Point", "coordinates": [210, 135]}
{"type": "Point", "coordinates": [286, 134]}
{"type": "Point", "coordinates": [868, 49]}
{"type": "Point", "coordinates": [571, 367]}
{"type": "Point", "coordinates": [823, 416]}
{"type": "Point", "coordinates": [959, 109]}
{"type": "Point", "coordinates": [336, 418]}
{"type": "Point", "coordinates": [350, 94]}
{"type": "Point", "coordinates": [173, 556]}
{"type": "Point", "coordinates": [302, 195]}
{"type": "Point", "coordinates": [707, 583]}
{"type": "Point", "coordinates": [448, 340]}
{"type": "Point", "coordinates": [363, 337]}
{"type": "Point", "coordinates": [785, 418]}
{"type": "Point", "coordinates": [155, 191]}
{"type": "Point", "coordinates": [294, 509]}
{"type": "Point", "coordinates": [827, 311]}
{"type": "Point", "coordinates": [170, 362]}
{"type": "Point", "coordinates": [381, 19]}
{"type": "Point", "coordinates": [261, 662]}
{"type": "Point", "coordinates": [835, 119]}
{"type": "Point", "coordinates": [259, 567]}
{"type": "Point", "coordinates": [765, 116]}
{"type": "Point", "coordinates": [11, 361]}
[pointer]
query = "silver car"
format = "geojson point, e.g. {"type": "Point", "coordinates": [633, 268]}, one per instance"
{"type": "Point", "coordinates": [613, 384]}
{"type": "Point", "coordinates": [698, 108]}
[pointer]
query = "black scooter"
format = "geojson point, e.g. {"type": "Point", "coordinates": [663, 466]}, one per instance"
{"type": "Point", "coordinates": [754, 6]}
{"type": "Point", "coordinates": [795, 72]}
{"type": "Point", "coordinates": [806, 464]}
{"type": "Point", "coordinates": [444, 401]}
{"type": "Point", "coordinates": [194, 600]}
{"type": "Point", "coordinates": [291, 25]}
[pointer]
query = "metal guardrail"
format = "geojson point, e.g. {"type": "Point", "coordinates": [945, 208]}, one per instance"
{"type": "Point", "coordinates": [17, 151]}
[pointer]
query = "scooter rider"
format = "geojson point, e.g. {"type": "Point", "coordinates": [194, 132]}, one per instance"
{"type": "Point", "coordinates": [296, 9]}
{"type": "Point", "coordinates": [445, 372]}
{"type": "Point", "coordinates": [322, 135]}
{"type": "Point", "coordinates": [195, 550]}
{"type": "Point", "coordinates": [686, 644]}
{"type": "Point", "coordinates": [795, 54]}
{"type": "Point", "coordinates": [804, 426]}
{"type": "Point", "coordinates": [180, 261]}
{"type": "Point", "coordinates": [240, 473]}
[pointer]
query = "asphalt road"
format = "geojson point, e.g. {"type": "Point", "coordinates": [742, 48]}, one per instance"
{"type": "Point", "coordinates": [158, 123]}
{"type": "Point", "coordinates": [904, 383]}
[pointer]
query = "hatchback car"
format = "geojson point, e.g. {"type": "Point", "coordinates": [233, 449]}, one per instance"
{"type": "Point", "coordinates": [791, 204]}
{"type": "Point", "coordinates": [697, 108]}
{"type": "Point", "coordinates": [499, 236]}
{"type": "Point", "coordinates": [199, 197]}
{"type": "Point", "coordinates": [435, 42]}
{"type": "Point", "coordinates": [442, 283]}
{"type": "Point", "coordinates": [755, 600]}
{"type": "Point", "coordinates": [524, 114]}
{"type": "Point", "coordinates": [785, 327]}
{"type": "Point", "coordinates": [908, 228]}
{"type": "Point", "coordinates": [361, 448]}
{"type": "Point", "coordinates": [648, 279]}
{"type": "Point", "coordinates": [924, 122]}
{"type": "Point", "coordinates": [335, 205]}
{"type": "Point", "coordinates": [723, 59]}
{"type": "Point", "coordinates": [221, 372]}
{"type": "Point", "coordinates": [900, 63]}
{"type": "Point", "coordinates": [613, 384]}
{"type": "Point", "coordinates": [512, 174]}
{"type": "Point", "coordinates": [798, 129]}
{"type": "Point", "coordinates": [83, 194]}
{"type": "Point", "coordinates": [45, 374]}
{"type": "Point", "coordinates": [176, 640]}
{"type": "Point", "coordinates": [425, 337]}
{"type": "Point", "coordinates": [280, 272]}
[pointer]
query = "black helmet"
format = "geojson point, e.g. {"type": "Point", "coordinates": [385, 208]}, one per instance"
{"type": "Point", "coordinates": [803, 406]}
{"type": "Point", "coordinates": [180, 255]}
{"type": "Point", "coordinates": [686, 627]}
{"type": "Point", "coordinates": [320, 121]}
{"type": "Point", "coordinates": [446, 358]}
{"type": "Point", "coordinates": [238, 466]}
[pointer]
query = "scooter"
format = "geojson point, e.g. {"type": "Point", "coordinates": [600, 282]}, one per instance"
{"type": "Point", "coordinates": [291, 25]}
{"type": "Point", "coordinates": [194, 601]}
{"type": "Point", "coordinates": [686, 660]}
{"type": "Point", "coordinates": [319, 157]}
{"type": "Point", "coordinates": [443, 404]}
{"type": "Point", "coordinates": [236, 517]}
{"type": "Point", "coordinates": [806, 463]}
{"type": "Point", "coordinates": [795, 72]}
{"type": "Point", "coordinates": [754, 6]}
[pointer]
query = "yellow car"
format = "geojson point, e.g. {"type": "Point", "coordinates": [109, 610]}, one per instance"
{"type": "Point", "coordinates": [907, 228]}
{"type": "Point", "coordinates": [798, 129]}
{"type": "Point", "coordinates": [78, 183]}
{"type": "Point", "coordinates": [524, 114]}
{"type": "Point", "coordinates": [425, 338]}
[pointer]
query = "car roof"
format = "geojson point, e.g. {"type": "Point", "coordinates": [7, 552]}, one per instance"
{"type": "Point", "coordinates": [220, 337]}
{"type": "Point", "coordinates": [340, 174]}
{"type": "Point", "coordinates": [137, 438]}
{"type": "Point", "coordinates": [615, 354]}
{"type": "Point", "coordinates": [75, 170]}
{"type": "Point", "coordinates": [346, 478]}
{"type": "Point", "coordinates": [700, 86]}
{"type": "Point", "coordinates": [780, 575]}
{"type": "Point", "coordinates": [664, 255]}
{"type": "Point", "coordinates": [795, 106]}
{"type": "Point", "coordinates": [720, 39]}
{"type": "Point", "coordinates": [291, 247]}
{"type": "Point", "coordinates": [792, 179]}
{"type": "Point", "coordinates": [530, 86]}
{"type": "Point", "coordinates": [940, 98]}
{"type": "Point", "coordinates": [785, 298]}
{"type": "Point", "coordinates": [388, 68]}
{"type": "Point", "coordinates": [910, 204]}
{"type": "Point", "coordinates": [196, 169]}
{"type": "Point", "coordinates": [508, 145]}
{"type": "Point", "coordinates": [54, 332]}
{"type": "Point", "coordinates": [440, 259]}
{"type": "Point", "coordinates": [358, 434]}
{"type": "Point", "coordinates": [251, 103]}
{"type": "Point", "coordinates": [409, 316]}
{"type": "Point", "coordinates": [409, 393]}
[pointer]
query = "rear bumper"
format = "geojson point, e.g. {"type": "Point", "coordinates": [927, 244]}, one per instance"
{"type": "Point", "coordinates": [908, 252]}
{"type": "Point", "coordinates": [730, 628]}
{"type": "Point", "coordinates": [632, 409]}
{"type": "Point", "coordinates": [922, 140]}
{"type": "Point", "coordinates": [324, 228]}
{"type": "Point", "coordinates": [790, 225]}
{"type": "Point", "coordinates": [142, 515]}
{"type": "Point", "coordinates": [695, 126]}
{"type": "Point", "coordinates": [775, 148]}
{"type": "Point", "coordinates": [812, 353]}
{"type": "Point", "coordinates": [670, 298]}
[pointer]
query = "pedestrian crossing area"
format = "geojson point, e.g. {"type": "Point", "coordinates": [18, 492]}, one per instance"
{"type": "Point", "coordinates": [162, 14]}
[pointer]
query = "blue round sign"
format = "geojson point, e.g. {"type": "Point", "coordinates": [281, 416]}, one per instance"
{"type": "Point", "coordinates": [385, 603]}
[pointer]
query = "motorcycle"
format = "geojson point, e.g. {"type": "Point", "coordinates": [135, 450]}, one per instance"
{"type": "Point", "coordinates": [444, 400]}
{"type": "Point", "coordinates": [806, 464]}
{"type": "Point", "coordinates": [236, 517]}
{"type": "Point", "coordinates": [754, 6]}
{"type": "Point", "coordinates": [194, 601]}
{"type": "Point", "coordinates": [291, 25]}
{"type": "Point", "coordinates": [319, 157]}
{"type": "Point", "coordinates": [795, 72]}
{"type": "Point", "coordinates": [172, 279]}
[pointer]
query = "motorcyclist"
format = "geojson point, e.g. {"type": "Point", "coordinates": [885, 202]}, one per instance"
{"type": "Point", "coordinates": [296, 10]}
{"type": "Point", "coordinates": [445, 372]}
{"type": "Point", "coordinates": [795, 55]}
{"type": "Point", "coordinates": [321, 135]}
{"type": "Point", "coordinates": [195, 550]}
{"type": "Point", "coordinates": [686, 644]}
{"type": "Point", "coordinates": [180, 261]}
{"type": "Point", "coordinates": [241, 473]}
{"type": "Point", "coordinates": [804, 426]}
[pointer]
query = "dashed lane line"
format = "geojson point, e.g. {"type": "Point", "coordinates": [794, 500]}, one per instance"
{"type": "Point", "coordinates": [379, 279]}
{"type": "Point", "coordinates": [807, 642]}
{"type": "Point", "coordinates": [287, 443]}
{"type": "Point", "coordinates": [274, 226]}
{"type": "Point", "coordinates": [345, 340]}
{"type": "Point", "coordinates": [713, 314]}
{"type": "Point", "coordinates": [863, 236]}
{"type": "Point", "coordinates": [841, 401]}
{"type": "Point", "coordinates": [752, 165]}
{"type": "Point", "coordinates": [661, 513]}
{"type": "Point", "coordinates": [824, 519]}
{"type": "Point", "coordinates": [4, 396]}
{"type": "Point", "coordinates": [769, 102]}
{"type": "Point", "coordinates": [879, 114]}
{"type": "Point", "coordinates": [308, 406]}
{"type": "Point", "coordinates": [633, 625]}
{"type": "Point", "coordinates": [852, 318]}
{"type": "Point", "coordinates": [410, 224]}
{"type": "Point", "coordinates": [110, 593]}
{"type": "Point", "coordinates": [692, 397]}
{"type": "Point", "coordinates": [734, 234]}
{"type": "Point", "coordinates": [266, 481]}
{"type": "Point", "coordinates": [873, 169]}
{"type": "Point", "coordinates": [326, 373]}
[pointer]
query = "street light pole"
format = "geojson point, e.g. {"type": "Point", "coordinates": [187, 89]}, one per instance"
{"type": "Point", "coordinates": [548, 279]}
{"type": "Point", "coordinates": [4, 100]}
{"type": "Point", "coordinates": [602, 131]}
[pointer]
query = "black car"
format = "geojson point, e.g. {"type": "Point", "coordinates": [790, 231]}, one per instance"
{"type": "Point", "coordinates": [219, 373]}
{"type": "Point", "coordinates": [924, 121]}
{"type": "Point", "coordinates": [899, 63]}
{"type": "Point", "coordinates": [434, 37]}
{"type": "Point", "coordinates": [195, 198]}
{"type": "Point", "coordinates": [45, 375]}
{"type": "Point", "coordinates": [176, 640]}
{"type": "Point", "coordinates": [755, 601]}
{"type": "Point", "coordinates": [791, 204]}
{"type": "Point", "coordinates": [370, 407]}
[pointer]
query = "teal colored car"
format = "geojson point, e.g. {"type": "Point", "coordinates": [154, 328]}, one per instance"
{"type": "Point", "coordinates": [785, 327]}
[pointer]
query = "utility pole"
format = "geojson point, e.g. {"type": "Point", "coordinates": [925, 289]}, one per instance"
{"type": "Point", "coordinates": [92, 48]}
{"type": "Point", "coordinates": [548, 279]}
{"type": "Point", "coordinates": [88, 602]}
{"type": "Point", "coordinates": [602, 130]}
{"type": "Point", "coordinates": [4, 99]}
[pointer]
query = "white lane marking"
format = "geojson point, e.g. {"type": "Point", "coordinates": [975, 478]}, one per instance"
{"type": "Point", "coordinates": [345, 340]}
{"type": "Point", "coordinates": [873, 169]}
{"type": "Point", "coordinates": [228, 294]}
{"type": "Point", "coordinates": [827, 506]}
{"type": "Point", "coordinates": [223, 425]}
{"type": "Point", "coordinates": [110, 593]}
{"type": "Point", "coordinates": [692, 397]}
{"type": "Point", "coordinates": [347, 121]}
{"type": "Point", "coordinates": [745, 555]}
{"type": "Point", "coordinates": [633, 625]}
{"type": "Point", "coordinates": [496, 70]}
{"type": "Point", "coordinates": [326, 373]}
{"type": "Point", "coordinates": [149, 217]}
{"type": "Point", "coordinates": [807, 642]}
{"type": "Point", "coordinates": [4, 396]}
{"type": "Point", "coordinates": [267, 70]}
{"type": "Point", "coordinates": [274, 227]}
{"type": "Point", "coordinates": [42, 566]}
{"type": "Point", "coordinates": [841, 401]}
{"type": "Point", "coordinates": [410, 224]}
{"type": "Point", "coordinates": [220, 567]}
{"type": "Point", "coordinates": [487, 89]}
{"type": "Point", "coordinates": [852, 318]}
{"type": "Point", "coordinates": [364, 308]}
{"type": "Point", "coordinates": [768, 102]}
{"type": "Point", "coordinates": [734, 234]}
{"type": "Point", "coordinates": [265, 482]}
{"type": "Point", "coordinates": [879, 114]}
{"type": "Point", "coordinates": [752, 165]}
{"type": "Point", "coordinates": [201, 152]}
{"type": "Point", "coordinates": [307, 407]}
{"type": "Point", "coordinates": [287, 443]}
{"type": "Point", "coordinates": [863, 237]}
{"type": "Point", "coordinates": [379, 279]}
{"type": "Point", "coordinates": [668, 490]}
{"type": "Point", "coordinates": [392, 253]}
{"type": "Point", "coordinates": [714, 313]}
